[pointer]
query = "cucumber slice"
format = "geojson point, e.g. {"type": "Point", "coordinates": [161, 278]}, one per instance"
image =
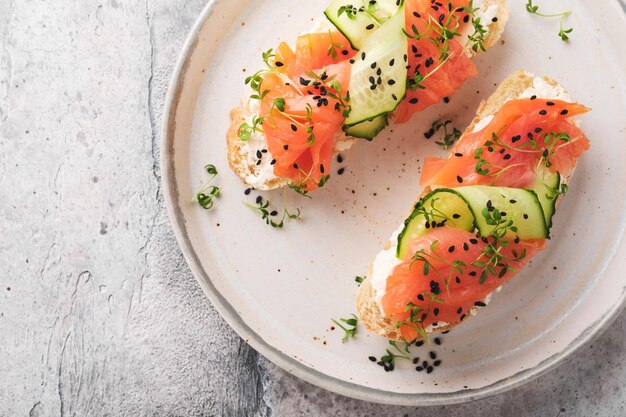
{"type": "Point", "coordinates": [520, 205]}
{"type": "Point", "coordinates": [462, 208]}
{"type": "Point", "coordinates": [367, 129]}
{"type": "Point", "coordinates": [358, 19]}
{"type": "Point", "coordinates": [378, 79]}
{"type": "Point", "coordinates": [440, 206]}
{"type": "Point", "coordinates": [546, 188]}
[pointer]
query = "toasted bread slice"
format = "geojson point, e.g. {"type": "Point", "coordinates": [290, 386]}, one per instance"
{"type": "Point", "coordinates": [241, 154]}
{"type": "Point", "coordinates": [367, 308]}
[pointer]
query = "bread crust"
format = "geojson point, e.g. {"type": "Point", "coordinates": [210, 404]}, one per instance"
{"type": "Point", "coordinates": [367, 309]}
{"type": "Point", "coordinates": [243, 167]}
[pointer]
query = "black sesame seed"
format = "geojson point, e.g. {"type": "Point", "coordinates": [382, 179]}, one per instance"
{"type": "Point", "coordinates": [437, 341]}
{"type": "Point", "coordinates": [372, 358]}
{"type": "Point", "coordinates": [437, 363]}
{"type": "Point", "coordinates": [472, 273]}
{"type": "Point", "coordinates": [533, 97]}
{"type": "Point", "coordinates": [436, 311]}
{"type": "Point", "coordinates": [451, 249]}
{"type": "Point", "coordinates": [393, 61]}
{"type": "Point", "coordinates": [274, 213]}
{"type": "Point", "coordinates": [340, 171]}
{"type": "Point", "coordinates": [420, 297]}
{"type": "Point", "coordinates": [370, 26]}
{"type": "Point", "coordinates": [419, 343]}
{"type": "Point", "coordinates": [543, 112]}
{"type": "Point", "coordinates": [494, 20]}
{"type": "Point", "coordinates": [429, 369]}
{"type": "Point", "coordinates": [391, 82]}
{"type": "Point", "coordinates": [456, 216]}
{"type": "Point", "coordinates": [564, 112]}
{"type": "Point", "coordinates": [419, 368]}
{"type": "Point", "coordinates": [416, 360]}
{"type": "Point", "coordinates": [259, 199]}
{"type": "Point", "coordinates": [432, 355]}
{"type": "Point", "coordinates": [459, 179]}
{"type": "Point", "coordinates": [279, 64]}
{"type": "Point", "coordinates": [395, 98]}
{"type": "Point", "coordinates": [465, 246]}
{"type": "Point", "coordinates": [339, 158]}
{"type": "Point", "coordinates": [413, 101]}
{"type": "Point", "coordinates": [425, 364]}
{"type": "Point", "coordinates": [446, 100]}
{"type": "Point", "coordinates": [259, 154]}
{"type": "Point", "coordinates": [458, 155]}
{"type": "Point", "coordinates": [322, 168]}
{"type": "Point", "coordinates": [549, 103]}
{"type": "Point", "coordinates": [247, 191]}
{"type": "Point", "coordinates": [515, 138]}
{"type": "Point", "coordinates": [344, 52]}
{"type": "Point", "coordinates": [538, 129]}
{"type": "Point", "coordinates": [512, 201]}
{"type": "Point", "coordinates": [525, 216]}
{"type": "Point", "coordinates": [507, 156]}
{"type": "Point", "coordinates": [295, 166]}
{"type": "Point", "coordinates": [459, 310]}
{"type": "Point", "coordinates": [273, 162]}
{"type": "Point", "coordinates": [362, 55]}
{"type": "Point", "coordinates": [480, 304]}
{"type": "Point", "coordinates": [285, 147]}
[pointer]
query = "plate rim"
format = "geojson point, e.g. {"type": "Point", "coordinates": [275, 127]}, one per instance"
{"type": "Point", "coordinates": [281, 359]}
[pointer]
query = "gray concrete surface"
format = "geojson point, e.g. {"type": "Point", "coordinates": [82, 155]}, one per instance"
{"type": "Point", "coordinates": [99, 314]}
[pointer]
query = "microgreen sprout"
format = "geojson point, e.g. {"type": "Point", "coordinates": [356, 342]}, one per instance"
{"type": "Point", "coordinates": [208, 193]}
{"type": "Point", "coordinates": [349, 326]}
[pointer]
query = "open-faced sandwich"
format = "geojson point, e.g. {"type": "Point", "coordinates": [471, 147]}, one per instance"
{"type": "Point", "coordinates": [486, 210]}
{"type": "Point", "coordinates": [376, 62]}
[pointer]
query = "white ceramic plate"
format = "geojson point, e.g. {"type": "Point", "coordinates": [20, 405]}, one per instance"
{"type": "Point", "coordinates": [279, 288]}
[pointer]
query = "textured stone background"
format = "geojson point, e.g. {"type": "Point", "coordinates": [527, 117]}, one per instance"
{"type": "Point", "coordinates": [99, 314]}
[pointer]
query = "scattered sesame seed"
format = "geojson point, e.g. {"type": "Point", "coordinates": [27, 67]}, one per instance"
{"type": "Point", "coordinates": [340, 171]}
{"type": "Point", "coordinates": [459, 179]}
{"type": "Point", "coordinates": [543, 112]}
{"type": "Point", "coordinates": [247, 191]}
{"type": "Point", "coordinates": [372, 358]}
{"type": "Point", "coordinates": [549, 103]}
{"type": "Point", "coordinates": [564, 112]}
